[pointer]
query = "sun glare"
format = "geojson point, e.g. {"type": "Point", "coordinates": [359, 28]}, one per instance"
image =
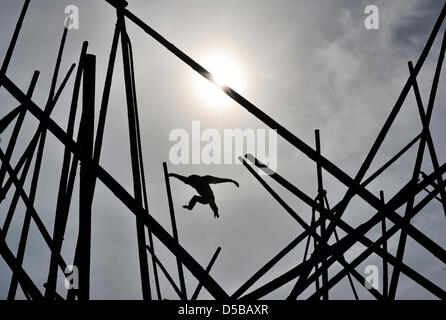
{"type": "Point", "coordinates": [225, 72]}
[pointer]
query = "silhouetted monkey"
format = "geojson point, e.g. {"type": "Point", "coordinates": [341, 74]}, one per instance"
{"type": "Point", "coordinates": [201, 184]}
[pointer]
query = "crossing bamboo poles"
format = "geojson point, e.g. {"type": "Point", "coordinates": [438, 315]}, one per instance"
{"type": "Point", "coordinates": [174, 230]}
{"type": "Point", "coordinates": [208, 269]}
{"type": "Point", "coordinates": [397, 201]}
{"type": "Point", "coordinates": [320, 199]}
{"type": "Point", "coordinates": [352, 184]}
{"type": "Point", "coordinates": [311, 230]}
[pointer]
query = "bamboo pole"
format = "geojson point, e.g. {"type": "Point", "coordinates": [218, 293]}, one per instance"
{"type": "Point", "coordinates": [136, 165]}
{"type": "Point", "coordinates": [208, 270]}
{"type": "Point", "coordinates": [419, 158]}
{"type": "Point", "coordinates": [385, 264]}
{"type": "Point", "coordinates": [194, 267]}
{"type": "Point", "coordinates": [86, 129]}
{"type": "Point", "coordinates": [65, 183]}
{"type": "Point", "coordinates": [320, 199]}
{"type": "Point", "coordinates": [174, 230]}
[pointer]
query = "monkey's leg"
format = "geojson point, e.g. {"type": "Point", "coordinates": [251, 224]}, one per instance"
{"type": "Point", "coordinates": [214, 208]}
{"type": "Point", "coordinates": [193, 201]}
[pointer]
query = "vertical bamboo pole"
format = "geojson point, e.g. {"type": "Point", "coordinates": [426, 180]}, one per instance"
{"type": "Point", "coordinates": [385, 265]}
{"type": "Point", "coordinates": [86, 176]}
{"type": "Point", "coordinates": [35, 178]}
{"type": "Point", "coordinates": [174, 230]}
{"type": "Point", "coordinates": [136, 165]}
{"type": "Point", "coordinates": [64, 197]}
{"type": "Point", "coordinates": [320, 200]}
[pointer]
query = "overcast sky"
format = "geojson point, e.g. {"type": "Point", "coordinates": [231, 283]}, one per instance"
{"type": "Point", "coordinates": [309, 65]}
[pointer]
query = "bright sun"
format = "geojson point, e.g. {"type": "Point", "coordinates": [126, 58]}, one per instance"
{"type": "Point", "coordinates": [225, 72]}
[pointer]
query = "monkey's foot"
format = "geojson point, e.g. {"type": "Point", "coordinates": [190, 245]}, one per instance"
{"type": "Point", "coordinates": [186, 207]}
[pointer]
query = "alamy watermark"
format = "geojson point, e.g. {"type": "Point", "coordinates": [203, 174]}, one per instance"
{"type": "Point", "coordinates": [71, 277]}
{"type": "Point", "coordinates": [212, 146]}
{"type": "Point", "coordinates": [372, 279]}
{"type": "Point", "coordinates": [371, 22]}
{"type": "Point", "coordinates": [71, 17]}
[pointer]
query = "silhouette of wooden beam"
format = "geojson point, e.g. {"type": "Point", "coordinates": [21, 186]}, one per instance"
{"type": "Point", "coordinates": [311, 230]}
{"type": "Point", "coordinates": [287, 208]}
{"type": "Point", "coordinates": [427, 284]}
{"type": "Point", "coordinates": [33, 143]}
{"type": "Point", "coordinates": [373, 151]}
{"type": "Point", "coordinates": [140, 157]}
{"type": "Point", "coordinates": [106, 95]}
{"type": "Point", "coordinates": [294, 272]}
{"type": "Point", "coordinates": [362, 229]}
{"type": "Point", "coordinates": [432, 184]}
{"type": "Point", "coordinates": [430, 143]}
{"type": "Point", "coordinates": [271, 263]}
{"type": "Point", "coordinates": [384, 246]}
{"type": "Point", "coordinates": [395, 202]}
{"type": "Point", "coordinates": [18, 125]}
{"type": "Point", "coordinates": [54, 294]}
{"type": "Point", "coordinates": [316, 266]}
{"type": "Point", "coordinates": [352, 285]}
{"type": "Point", "coordinates": [352, 184]}
{"type": "Point", "coordinates": [32, 211]}
{"type": "Point", "coordinates": [6, 120]}
{"type": "Point", "coordinates": [208, 282]}
{"type": "Point", "coordinates": [307, 244]}
{"type": "Point", "coordinates": [433, 247]}
{"type": "Point", "coordinates": [391, 118]}
{"type": "Point", "coordinates": [208, 270]}
{"type": "Point", "coordinates": [27, 220]}
{"type": "Point", "coordinates": [57, 66]}
{"type": "Point", "coordinates": [86, 129]}
{"type": "Point", "coordinates": [136, 165]}
{"type": "Point", "coordinates": [425, 119]}
{"type": "Point", "coordinates": [140, 207]}
{"type": "Point", "coordinates": [390, 162]}
{"type": "Point", "coordinates": [66, 182]}
{"type": "Point", "coordinates": [165, 272]}
{"type": "Point", "coordinates": [16, 196]}
{"type": "Point", "coordinates": [120, 29]}
{"type": "Point", "coordinates": [8, 154]}
{"type": "Point", "coordinates": [25, 281]}
{"type": "Point", "coordinates": [35, 177]}
{"type": "Point", "coordinates": [337, 222]}
{"type": "Point", "coordinates": [320, 190]}
{"type": "Point", "coordinates": [174, 229]}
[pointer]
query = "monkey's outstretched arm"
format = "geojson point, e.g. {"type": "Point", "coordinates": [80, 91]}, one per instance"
{"type": "Point", "coordinates": [215, 180]}
{"type": "Point", "coordinates": [179, 177]}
